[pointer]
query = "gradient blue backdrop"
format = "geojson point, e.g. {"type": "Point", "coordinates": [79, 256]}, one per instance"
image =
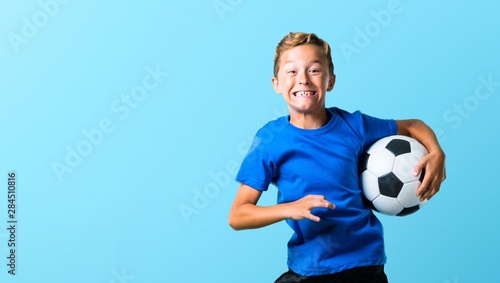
{"type": "Point", "coordinates": [162, 98]}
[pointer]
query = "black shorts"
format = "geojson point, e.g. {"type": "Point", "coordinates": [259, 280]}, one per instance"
{"type": "Point", "coordinates": [364, 274]}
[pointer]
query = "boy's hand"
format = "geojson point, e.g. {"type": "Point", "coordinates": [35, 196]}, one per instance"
{"type": "Point", "coordinates": [301, 209]}
{"type": "Point", "coordinates": [435, 171]}
{"type": "Point", "coordinates": [435, 174]}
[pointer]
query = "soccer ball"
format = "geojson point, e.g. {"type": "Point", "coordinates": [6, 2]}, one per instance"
{"type": "Point", "coordinates": [386, 175]}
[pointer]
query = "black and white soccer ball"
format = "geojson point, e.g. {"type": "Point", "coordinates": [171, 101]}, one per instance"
{"type": "Point", "coordinates": [387, 175]}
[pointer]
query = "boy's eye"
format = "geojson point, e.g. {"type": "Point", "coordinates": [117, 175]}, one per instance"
{"type": "Point", "coordinates": [291, 72]}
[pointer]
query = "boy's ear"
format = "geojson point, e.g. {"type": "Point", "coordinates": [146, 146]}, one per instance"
{"type": "Point", "coordinates": [331, 83]}
{"type": "Point", "coordinates": [276, 85]}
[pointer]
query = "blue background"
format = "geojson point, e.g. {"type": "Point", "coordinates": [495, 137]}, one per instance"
{"type": "Point", "coordinates": [148, 197]}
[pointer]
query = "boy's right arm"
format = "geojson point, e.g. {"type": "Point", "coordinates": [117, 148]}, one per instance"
{"type": "Point", "coordinates": [245, 214]}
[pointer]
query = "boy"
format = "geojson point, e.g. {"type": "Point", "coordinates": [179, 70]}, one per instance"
{"type": "Point", "coordinates": [312, 157]}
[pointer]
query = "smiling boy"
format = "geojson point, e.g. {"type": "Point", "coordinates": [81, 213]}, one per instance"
{"type": "Point", "coordinates": [312, 157]}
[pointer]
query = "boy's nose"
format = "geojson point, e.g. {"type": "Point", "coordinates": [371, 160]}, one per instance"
{"type": "Point", "coordinates": [304, 80]}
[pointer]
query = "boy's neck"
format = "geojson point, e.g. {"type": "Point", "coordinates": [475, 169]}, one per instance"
{"type": "Point", "coordinates": [309, 121]}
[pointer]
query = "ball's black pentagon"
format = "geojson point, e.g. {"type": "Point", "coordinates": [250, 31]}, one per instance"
{"type": "Point", "coordinates": [408, 210]}
{"type": "Point", "coordinates": [390, 185]}
{"type": "Point", "coordinates": [398, 146]}
{"type": "Point", "coordinates": [363, 163]}
{"type": "Point", "coordinates": [422, 174]}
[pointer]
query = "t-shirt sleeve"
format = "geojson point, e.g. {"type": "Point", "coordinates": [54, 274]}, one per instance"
{"type": "Point", "coordinates": [368, 129]}
{"type": "Point", "coordinates": [257, 169]}
{"type": "Point", "coordinates": [374, 128]}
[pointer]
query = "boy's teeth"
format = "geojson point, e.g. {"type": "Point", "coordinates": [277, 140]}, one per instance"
{"type": "Point", "coordinates": [302, 93]}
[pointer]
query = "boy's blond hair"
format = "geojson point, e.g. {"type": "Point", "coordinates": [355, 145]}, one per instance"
{"type": "Point", "coordinates": [295, 39]}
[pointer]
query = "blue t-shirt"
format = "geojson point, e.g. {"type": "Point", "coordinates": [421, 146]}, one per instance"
{"type": "Point", "coordinates": [321, 161]}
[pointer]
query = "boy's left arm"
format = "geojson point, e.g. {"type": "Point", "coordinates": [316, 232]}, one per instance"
{"type": "Point", "coordinates": [434, 162]}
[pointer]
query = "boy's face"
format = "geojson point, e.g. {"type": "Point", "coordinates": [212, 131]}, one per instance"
{"type": "Point", "coordinates": [303, 79]}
